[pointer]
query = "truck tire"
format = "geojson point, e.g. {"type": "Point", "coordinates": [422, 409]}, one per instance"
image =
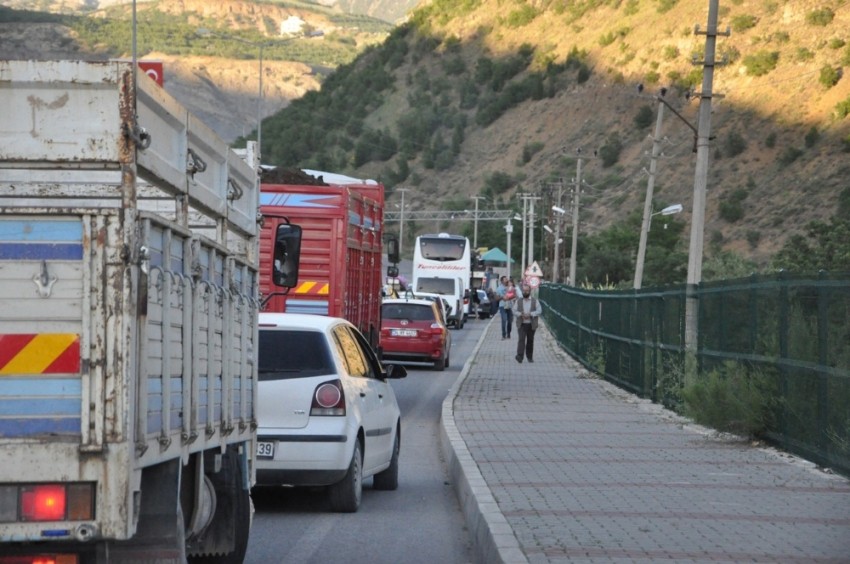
{"type": "Point", "coordinates": [230, 491]}
{"type": "Point", "coordinates": [345, 495]}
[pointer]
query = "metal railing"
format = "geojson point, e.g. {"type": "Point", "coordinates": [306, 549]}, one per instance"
{"type": "Point", "coordinates": [794, 330]}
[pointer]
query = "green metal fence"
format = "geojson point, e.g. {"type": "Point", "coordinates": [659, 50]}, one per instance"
{"type": "Point", "coordinates": [793, 330]}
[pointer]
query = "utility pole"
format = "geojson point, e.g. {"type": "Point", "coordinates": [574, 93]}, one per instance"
{"type": "Point", "coordinates": [559, 211]}
{"type": "Point", "coordinates": [647, 205]}
{"type": "Point", "coordinates": [695, 251]}
{"type": "Point", "coordinates": [530, 231]}
{"type": "Point", "coordinates": [524, 230]}
{"type": "Point", "coordinates": [576, 192]}
{"type": "Point", "coordinates": [401, 225]}
{"type": "Point", "coordinates": [475, 222]}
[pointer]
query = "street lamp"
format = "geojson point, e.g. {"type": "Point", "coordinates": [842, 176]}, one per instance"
{"type": "Point", "coordinates": [261, 45]}
{"type": "Point", "coordinates": [509, 228]}
{"type": "Point", "coordinates": [644, 233]}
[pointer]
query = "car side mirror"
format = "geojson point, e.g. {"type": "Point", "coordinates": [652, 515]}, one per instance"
{"type": "Point", "coordinates": [396, 371]}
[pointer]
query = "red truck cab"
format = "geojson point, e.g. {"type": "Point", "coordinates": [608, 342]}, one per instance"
{"type": "Point", "coordinates": [341, 219]}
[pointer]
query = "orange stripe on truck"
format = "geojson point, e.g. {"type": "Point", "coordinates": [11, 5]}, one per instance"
{"type": "Point", "coordinates": [311, 287]}
{"type": "Point", "coordinates": [44, 353]}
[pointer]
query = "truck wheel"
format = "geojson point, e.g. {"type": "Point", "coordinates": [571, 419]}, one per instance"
{"type": "Point", "coordinates": [388, 479]}
{"type": "Point", "coordinates": [240, 499]}
{"type": "Point", "coordinates": [345, 495]}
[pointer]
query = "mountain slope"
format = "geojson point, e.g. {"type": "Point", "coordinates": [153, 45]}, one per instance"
{"type": "Point", "coordinates": [778, 153]}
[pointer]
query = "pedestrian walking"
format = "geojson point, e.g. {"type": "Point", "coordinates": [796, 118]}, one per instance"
{"type": "Point", "coordinates": [507, 295]}
{"type": "Point", "coordinates": [527, 311]}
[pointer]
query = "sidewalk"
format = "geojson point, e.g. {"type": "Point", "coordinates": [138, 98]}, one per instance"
{"type": "Point", "coordinates": [552, 465]}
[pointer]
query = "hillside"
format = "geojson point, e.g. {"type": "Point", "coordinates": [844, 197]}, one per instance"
{"type": "Point", "coordinates": [779, 150]}
{"type": "Point", "coordinates": [493, 97]}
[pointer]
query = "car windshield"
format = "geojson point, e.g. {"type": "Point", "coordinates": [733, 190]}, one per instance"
{"type": "Point", "coordinates": [293, 354]}
{"type": "Point", "coordinates": [413, 312]}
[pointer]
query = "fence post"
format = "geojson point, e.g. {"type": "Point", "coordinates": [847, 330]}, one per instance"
{"type": "Point", "coordinates": [782, 326]}
{"type": "Point", "coordinates": [824, 297]}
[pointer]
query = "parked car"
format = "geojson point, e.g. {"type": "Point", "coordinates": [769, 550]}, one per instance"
{"type": "Point", "coordinates": [442, 304]}
{"type": "Point", "coordinates": [413, 331]}
{"type": "Point", "coordinates": [483, 305]}
{"type": "Point", "coordinates": [326, 412]}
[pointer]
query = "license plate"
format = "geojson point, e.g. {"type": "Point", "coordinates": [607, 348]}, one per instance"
{"type": "Point", "coordinates": [265, 450]}
{"type": "Point", "coordinates": [403, 332]}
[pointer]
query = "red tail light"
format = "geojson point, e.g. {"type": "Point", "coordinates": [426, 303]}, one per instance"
{"type": "Point", "coordinates": [436, 329]}
{"type": "Point", "coordinates": [328, 399]}
{"type": "Point", "coordinates": [41, 559]}
{"type": "Point", "coordinates": [43, 503]}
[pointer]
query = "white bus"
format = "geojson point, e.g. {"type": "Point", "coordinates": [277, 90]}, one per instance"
{"type": "Point", "coordinates": [439, 260]}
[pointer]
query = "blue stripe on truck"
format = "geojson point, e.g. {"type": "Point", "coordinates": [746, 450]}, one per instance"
{"type": "Point", "coordinates": [38, 406]}
{"type": "Point", "coordinates": [41, 239]}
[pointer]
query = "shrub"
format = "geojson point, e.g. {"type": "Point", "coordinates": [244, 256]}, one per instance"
{"type": "Point", "coordinates": [665, 5]}
{"type": "Point", "coordinates": [761, 63]}
{"type": "Point", "coordinates": [770, 140]}
{"type": "Point", "coordinates": [836, 43]}
{"type": "Point", "coordinates": [734, 145]}
{"type": "Point", "coordinates": [733, 399]}
{"type": "Point", "coordinates": [812, 137]}
{"type": "Point", "coordinates": [790, 155]}
{"type": "Point", "coordinates": [643, 118]}
{"type": "Point", "coordinates": [531, 149]}
{"type": "Point", "coordinates": [523, 16]}
{"type": "Point", "coordinates": [842, 109]}
{"type": "Point", "coordinates": [610, 151]}
{"type": "Point", "coordinates": [753, 238]}
{"type": "Point", "coordinates": [829, 76]}
{"type": "Point", "coordinates": [731, 210]}
{"type": "Point", "coordinates": [804, 55]}
{"type": "Point", "coordinates": [670, 52]}
{"type": "Point", "coordinates": [652, 77]}
{"type": "Point", "coordinates": [822, 17]}
{"type": "Point", "coordinates": [743, 22]}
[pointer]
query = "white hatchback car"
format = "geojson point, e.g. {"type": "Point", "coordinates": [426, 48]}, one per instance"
{"type": "Point", "coordinates": [327, 414]}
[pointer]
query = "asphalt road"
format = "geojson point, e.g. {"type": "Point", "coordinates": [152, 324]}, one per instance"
{"type": "Point", "coordinates": [421, 522]}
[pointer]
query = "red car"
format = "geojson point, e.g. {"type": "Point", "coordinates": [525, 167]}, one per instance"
{"type": "Point", "coordinates": [413, 331]}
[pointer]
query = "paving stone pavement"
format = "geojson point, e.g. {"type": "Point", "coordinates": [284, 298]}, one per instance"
{"type": "Point", "coordinates": [554, 465]}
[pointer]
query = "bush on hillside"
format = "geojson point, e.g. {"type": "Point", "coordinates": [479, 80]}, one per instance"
{"type": "Point", "coordinates": [829, 76]}
{"type": "Point", "coordinates": [761, 62]}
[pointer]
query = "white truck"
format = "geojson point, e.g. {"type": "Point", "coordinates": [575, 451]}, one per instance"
{"type": "Point", "coordinates": [128, 322]}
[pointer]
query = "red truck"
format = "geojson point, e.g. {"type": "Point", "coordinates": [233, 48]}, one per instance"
{"type": "Point", "coordinates": [342, 222]}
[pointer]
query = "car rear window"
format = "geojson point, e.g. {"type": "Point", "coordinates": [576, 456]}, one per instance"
{"type": "Point", "coordinates": [293, 354]}
{"type": "Point", "coordinates": [436, 285]}
{"type": "Point", "coordinates": [413, 312]}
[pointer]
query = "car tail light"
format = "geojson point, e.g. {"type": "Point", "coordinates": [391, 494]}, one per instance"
{"type": "Point", "coordinates": [46, 502]}
{"type": "Point", "coordinates": [328, 399]}
{"type": "Point", "coordinates": [436, 329]}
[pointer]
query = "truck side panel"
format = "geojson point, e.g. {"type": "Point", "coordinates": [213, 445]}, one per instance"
{"type": "Point", "coordinates": [340, 266]}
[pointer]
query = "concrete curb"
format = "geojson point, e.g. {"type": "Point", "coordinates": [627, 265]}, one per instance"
{"type": "Point", "coordinates": [493, 538]}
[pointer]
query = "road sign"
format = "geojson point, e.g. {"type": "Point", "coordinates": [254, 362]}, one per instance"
{"type": "Point", "coordinates": [534, 270]}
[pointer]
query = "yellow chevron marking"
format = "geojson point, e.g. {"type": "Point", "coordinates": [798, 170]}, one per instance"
{"type": "Point", "coordinates": [39, 353]}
